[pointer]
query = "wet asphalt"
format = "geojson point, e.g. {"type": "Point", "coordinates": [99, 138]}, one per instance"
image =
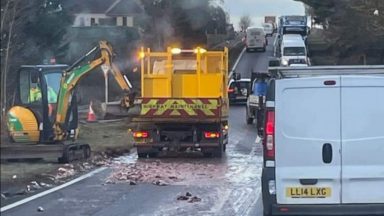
{"type": "Point", "coordinates": [226, 186]}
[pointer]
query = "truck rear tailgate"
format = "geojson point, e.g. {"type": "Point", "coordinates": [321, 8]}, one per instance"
{"type": "Point", "coordinates": [183, 108]}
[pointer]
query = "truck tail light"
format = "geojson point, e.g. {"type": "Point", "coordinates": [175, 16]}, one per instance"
{"type": "Point", "coordinates": [269, 141]}
{"type": "Point", "coordinates": [211, 135]}
{"type": "Point", "coordinates": [140, 134]}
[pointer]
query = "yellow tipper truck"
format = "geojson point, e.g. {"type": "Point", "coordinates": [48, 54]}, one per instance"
{"type": "Point", "coordinates": [183, 103]}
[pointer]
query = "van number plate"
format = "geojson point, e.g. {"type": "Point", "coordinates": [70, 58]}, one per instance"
{"type": "Point", "coordinates": [308, 192]}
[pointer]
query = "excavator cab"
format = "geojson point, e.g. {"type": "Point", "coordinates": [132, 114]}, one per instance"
{"type": "Point", "coordinates": [31, 118]}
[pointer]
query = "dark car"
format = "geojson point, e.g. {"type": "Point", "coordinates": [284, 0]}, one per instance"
{"type": "Point", "coordinates": [238, 90]}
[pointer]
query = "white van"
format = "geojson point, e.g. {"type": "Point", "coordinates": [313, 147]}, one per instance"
{"type": "Point", "coordinates": [324, 141]}
{"type": "Point", "coordinates": [293, 50]}
{"type": "Point", "coordinates": [255, 39]}
{"type": "Point", "coordinates": [268, 29]}
{"type": "Point", "coordinates": [292, 37]}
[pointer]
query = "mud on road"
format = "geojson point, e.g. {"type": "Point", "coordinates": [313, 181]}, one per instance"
{"type": "Point", "coordinates": [21, 178]}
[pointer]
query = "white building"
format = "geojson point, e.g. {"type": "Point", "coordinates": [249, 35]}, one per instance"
{"type": "Point", "coordinates": [106, 12]}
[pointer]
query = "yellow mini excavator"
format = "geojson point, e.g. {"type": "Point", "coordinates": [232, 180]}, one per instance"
{"type": "Point", "coordinates": [43, 121]}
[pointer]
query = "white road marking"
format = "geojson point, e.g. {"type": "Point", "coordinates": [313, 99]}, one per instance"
{"type": "Point", "coordinates": [236, 63]}
{"type": "Point", "coordinates": [28, 199]}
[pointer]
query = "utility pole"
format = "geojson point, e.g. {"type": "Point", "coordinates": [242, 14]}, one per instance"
{"type": "Point", "coordinates": [6, 59]}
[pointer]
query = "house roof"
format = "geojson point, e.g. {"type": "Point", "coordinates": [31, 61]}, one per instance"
{"type": "Point", "coordinates": [108, 7]}
{"type": "Point", "coordinates": [124, 7]}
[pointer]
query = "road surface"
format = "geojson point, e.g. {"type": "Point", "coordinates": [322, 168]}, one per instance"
{"type": "Point", "coordinates": [227, 186]}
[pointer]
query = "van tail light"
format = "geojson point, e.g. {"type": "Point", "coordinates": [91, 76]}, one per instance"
{"type": "Point", "coordinates": [269, 141]}
{"type": "Point", "coordinates": [140, 134]}
{"type": "Point", "coordinates": [231, 90]}
{"type": "Point", "coordinates": [211, 135]}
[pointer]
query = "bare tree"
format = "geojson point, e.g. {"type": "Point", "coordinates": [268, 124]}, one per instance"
{"type": "Point", "coordinates": [245, 22]}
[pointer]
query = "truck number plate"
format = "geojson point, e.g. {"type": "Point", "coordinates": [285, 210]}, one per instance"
{"type": "Point", "coordinates": [308, 192]}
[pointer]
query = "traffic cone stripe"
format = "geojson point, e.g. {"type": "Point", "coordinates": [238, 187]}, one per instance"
{"type": "Point", "coordinates": [91, 114]}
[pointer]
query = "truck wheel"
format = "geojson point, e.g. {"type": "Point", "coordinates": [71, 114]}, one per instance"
{"type": "Point", "coordinates": [218, 152]}
{"type": "Point", "coordinates": [142, 155]}
{"type": "Point", "coordinates": [207, 154]}
{"type": "Point", "coordinates": [142, 152]}
{"type": "Point", "coordinates": [152, 155]}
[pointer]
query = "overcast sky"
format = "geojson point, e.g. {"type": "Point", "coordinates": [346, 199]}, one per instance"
{"type": "Point", "coordinates": [257, 9]}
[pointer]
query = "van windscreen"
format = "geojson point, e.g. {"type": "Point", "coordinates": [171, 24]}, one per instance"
{"type": "Point", "coordinates": [254, 33]}
{"type": "Point", "coordinates": [294, 51]}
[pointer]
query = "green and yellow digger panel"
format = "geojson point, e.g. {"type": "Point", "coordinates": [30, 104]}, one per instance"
{"type": "Point", "coordinates": [22, 125]}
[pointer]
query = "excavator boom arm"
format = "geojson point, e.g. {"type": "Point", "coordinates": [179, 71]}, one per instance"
{"type": "Point", "coordinates": [74, 74]}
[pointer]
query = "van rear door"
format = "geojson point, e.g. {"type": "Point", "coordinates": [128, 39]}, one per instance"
{"type": "Point", "coordinates": [307, 143]}
{"type": "Point", "coordinates": [362, 120]}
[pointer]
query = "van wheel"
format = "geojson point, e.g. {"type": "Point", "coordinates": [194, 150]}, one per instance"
{"type": "Point", "coordinates": [249, 120]}
{"type": "Point", "coordinates": [247, 50]}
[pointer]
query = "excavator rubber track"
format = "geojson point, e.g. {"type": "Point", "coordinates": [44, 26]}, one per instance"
{"type": "Point", "coordinates": [65, 153]}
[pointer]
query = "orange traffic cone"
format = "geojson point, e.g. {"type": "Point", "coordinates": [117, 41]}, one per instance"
{"type": "Point", "coordinates": [91, 114]}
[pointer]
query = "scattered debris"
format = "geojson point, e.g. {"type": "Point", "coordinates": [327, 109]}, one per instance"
{"type": "Point", "coordinates": [182, 198]}
{"type": "Point", "coordinates": [65, 172]}
{"type": "Point", "coordinates": [14, 176]}
{"type": "Point", "coordinates": [40, 209]}
{"type": "Point", "coordinates": [188, 197]}
{"type": "Point", "coordinates": [3, 196]}
{"type": "Point", "coordinates": [34, 185]}
{"type": "Point", "coordinates": [194, 199]}
{"type": "Point", "coordinates": [45, 185]}
{"type": "Point", "coordinates": [160, 183]}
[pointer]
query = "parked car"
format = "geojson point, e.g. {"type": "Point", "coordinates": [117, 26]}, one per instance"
{"type": "Point", "coordinates": [323, 141]}
{"type": "Point", "coordinates": [238, 90]}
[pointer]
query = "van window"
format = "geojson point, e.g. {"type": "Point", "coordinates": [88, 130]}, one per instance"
{"type": "Point", "coordinates": [294, 51]}
{"type": "Point", "coordinates": [254, 33]}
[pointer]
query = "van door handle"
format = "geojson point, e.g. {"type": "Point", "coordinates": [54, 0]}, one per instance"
{"type": "Point", "coordinates": [327, 153]}
{"type": "Point", "coordinates": [308, 181]}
